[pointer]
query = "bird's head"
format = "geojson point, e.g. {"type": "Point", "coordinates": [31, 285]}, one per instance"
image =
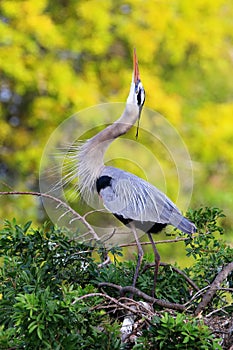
{"type": "Point", "coordinates": [137, 92]}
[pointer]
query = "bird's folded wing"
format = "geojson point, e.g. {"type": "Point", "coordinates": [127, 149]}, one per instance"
{"type": "Point", "coordinates": [136, 199]}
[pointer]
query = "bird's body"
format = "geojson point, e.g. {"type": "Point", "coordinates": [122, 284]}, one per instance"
{"type": "Point", "coordinates": [132, 200]}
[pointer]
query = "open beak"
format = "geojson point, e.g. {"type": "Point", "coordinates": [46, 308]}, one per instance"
{"type": "Point", "coordinates": [135, 67]}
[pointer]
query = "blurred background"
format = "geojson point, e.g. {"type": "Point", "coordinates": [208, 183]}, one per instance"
{"type": "Point", "coordinates": [59, 57]}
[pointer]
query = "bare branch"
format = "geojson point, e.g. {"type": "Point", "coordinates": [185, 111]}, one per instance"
{"type": "Point", "coordinates": [221, 309]}
{"type": "Point", "coordinates": [113, 300]}
{"type": "Point", "coordinates": [60, 203]}
{"type": "Point", "coordinates": [6, 185]}
{"type": "Point", "coordinates": [195, 296]}
{"type": "Point", "coordinates": [108, 236]}
{"type": "Point", "coordinates": [105, 262]}
{"type": "Point", "coordinates": [175, 240]}
{"type": "Point", "coordinates": [93, 211]}
{"type": "Point", "coordinates": [63, 214]}
{"type": "Point", "coordinates": [133, 290]}
{"type": "Point", "coordinates": [214, 286]}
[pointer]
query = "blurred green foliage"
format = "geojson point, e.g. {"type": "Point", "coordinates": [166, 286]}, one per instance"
{"type": "Point", "coordinates": [59, 57]}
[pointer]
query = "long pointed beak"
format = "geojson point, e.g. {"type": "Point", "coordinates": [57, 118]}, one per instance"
{"type": "Point", "coordinates": [135, 67]}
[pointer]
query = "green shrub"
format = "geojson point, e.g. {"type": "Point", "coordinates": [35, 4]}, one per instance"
{"type": "Point", "coordinates": [45, 277]}
{"type": "Point", "coordinates": [43, 273]}
{"type": "Point", "coordinates": [177, 332]}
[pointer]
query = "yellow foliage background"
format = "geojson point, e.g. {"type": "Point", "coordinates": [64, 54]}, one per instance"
{"type": "Point", "coordinates": [57, 58]}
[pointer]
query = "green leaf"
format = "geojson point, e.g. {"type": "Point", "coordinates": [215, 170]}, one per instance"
{"type": "Point", "coordinates": [39, 333]}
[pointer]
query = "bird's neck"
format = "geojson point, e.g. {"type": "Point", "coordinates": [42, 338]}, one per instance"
{"type": "Point", "coordinates": [91, 153]}
{"type": "Point", "coordinates": [118, 128]}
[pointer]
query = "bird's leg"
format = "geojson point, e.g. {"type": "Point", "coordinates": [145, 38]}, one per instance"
{"type": "Point", "coordinates": [140, 253]}
{"type": "Point", "coordinates": [157, 262]}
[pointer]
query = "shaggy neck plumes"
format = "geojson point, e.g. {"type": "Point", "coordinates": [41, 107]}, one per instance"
{"type": "Point", "coordinates": [91, 153]}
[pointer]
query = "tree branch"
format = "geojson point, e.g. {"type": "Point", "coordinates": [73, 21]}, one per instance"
{"type": "Point", "coordinates": [106, 296]}
{"type": "Point", "coordinates": [175, 240]}
{"type": "Point", "coordinates": [208, 296]}
{"type": "Point", "coordinates": [133, 290]}
{"type": "Point", "coordinates": [60, 203]}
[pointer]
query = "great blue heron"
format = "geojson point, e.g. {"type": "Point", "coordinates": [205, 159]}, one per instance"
{"type": "Point", "coordinates": [132, 200]}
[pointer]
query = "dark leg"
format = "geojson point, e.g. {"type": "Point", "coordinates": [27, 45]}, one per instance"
{"type": "Point", "coordinates": [157, 262]}
{"type": "Point", "coordinates": [140, 254]}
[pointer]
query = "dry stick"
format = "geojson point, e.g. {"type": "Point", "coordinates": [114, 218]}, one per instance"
{"type": "Point", "coordinates": [60, 203]}
{"type": "Point", "coordinates": [92, 212]}
{"type": "Point", "coordinates": [177, 270]}
{"type": "Point", "coordinates": [222, 309]}
{"type": "Point", "coordinates": [145, 296]}
{"type": "Point", "coordinates": [113, 300]}
{"type": "Point", "coordinates": [214, 286]}
{"type": "Point", "coordinates": [108, 236]}
{"type": "Point", "coordinates": [138, 306]}
{"type": "Point", "coordinates": [197, 295]}
{"type": "Point", "coordinates": [105, 262]}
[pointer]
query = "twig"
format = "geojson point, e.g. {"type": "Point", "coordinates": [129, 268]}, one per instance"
{"type": "Point", "coordinates": [60, 203]}
{"type": "Point", "coordinates": [175, 240]}
{"type": "Point", "coordinates": [6, 185]}
{"type": "Point", "coordinates": [214, 286]}
{"type": "Point", "coordinates": [139, 307]}
{"type": "Point", "coordinates": [218, 310]}
{"type": "Point", "coordinates": [105, 262]}
{"type": "Point", "coordinates": [108, 236]}
{"type": "Point", "coordinates": [104, 295]}
{"type": "Point", "coordinates": [92, 212]}
{"type": "Point", "coordinates": [133, 290]}
{"type": "Point", "coordinates": [195, 296]}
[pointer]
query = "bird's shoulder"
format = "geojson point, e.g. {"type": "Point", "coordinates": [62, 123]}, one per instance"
{"type": "Point", "coordinates": [121, 180]}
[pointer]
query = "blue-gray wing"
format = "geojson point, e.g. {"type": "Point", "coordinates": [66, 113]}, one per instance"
{"type": "Point", "coordinates": [134, 198]}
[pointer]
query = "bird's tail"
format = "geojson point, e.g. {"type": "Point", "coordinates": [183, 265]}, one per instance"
{"type": "Point", "coordinates": [185, 226]}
